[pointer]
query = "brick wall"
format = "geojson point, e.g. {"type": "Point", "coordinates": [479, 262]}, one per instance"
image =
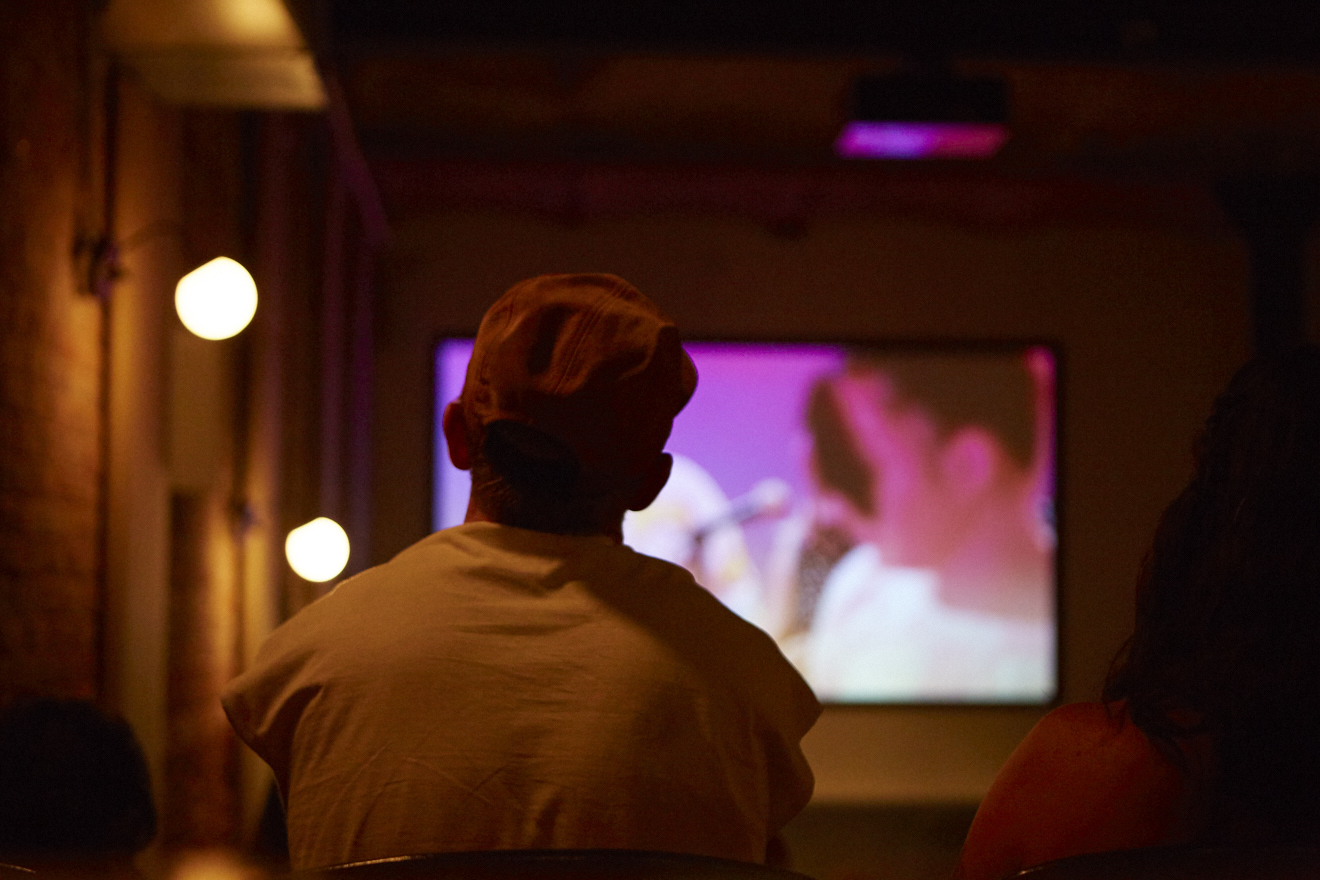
{"type": "Point", "coordinates": [48, 361]}
{"type": "Point", "coordinates": [185, 595]}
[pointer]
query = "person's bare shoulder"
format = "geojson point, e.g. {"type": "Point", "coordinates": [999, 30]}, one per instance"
{"type": "Point", "coordinates": [1085, 779]}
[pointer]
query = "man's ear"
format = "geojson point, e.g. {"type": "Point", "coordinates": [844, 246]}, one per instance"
{"type": "Point", "coordinates": [652, 481]}
{"type": "Point", "coordinates": [454, 425]}
{"type": "Point", "coordinates": [969, 462]}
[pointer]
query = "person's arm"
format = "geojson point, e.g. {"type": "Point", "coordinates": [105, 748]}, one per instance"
{"type": "Point", "coordinates": [1082, 781]}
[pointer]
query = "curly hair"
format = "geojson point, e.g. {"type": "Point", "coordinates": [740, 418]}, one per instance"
{"type": "Point", "coordinates": [1227, 637]}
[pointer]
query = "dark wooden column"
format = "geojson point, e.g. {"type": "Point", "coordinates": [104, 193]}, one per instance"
{"type": "Point", "coordinates": [1275, 215]}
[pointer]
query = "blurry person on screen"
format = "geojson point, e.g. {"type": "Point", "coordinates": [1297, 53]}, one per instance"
{"type": "Point", "coordinates": [689, 524]}
{"type": "Point", "coordinates": [824, 525]}
{"type": "Point", "coordinates": [948, 594]}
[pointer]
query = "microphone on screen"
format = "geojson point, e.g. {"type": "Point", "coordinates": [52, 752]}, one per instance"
{"type": "Point", "coordinates": [769, 497]}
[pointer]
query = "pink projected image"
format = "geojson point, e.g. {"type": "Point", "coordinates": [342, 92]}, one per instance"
{"type": "Point", "coordinates": [885, 515]}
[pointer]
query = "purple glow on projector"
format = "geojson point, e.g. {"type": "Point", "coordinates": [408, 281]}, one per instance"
{"type": "Point", "coordinates": [920, 140]}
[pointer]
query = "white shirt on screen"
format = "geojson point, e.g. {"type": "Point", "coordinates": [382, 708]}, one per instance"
{"type": "Point", "coordinates": [880, 634]}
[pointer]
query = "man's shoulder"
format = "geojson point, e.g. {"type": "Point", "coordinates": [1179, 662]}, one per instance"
{"type": "Point", "coordinates": [1085, 746]}
{"type": "Point", "coordinates": [467, 566]}
{"type": "Point", "coordinates": [736, 650]}
{"type": "Point", "coordinates": [367, 595]}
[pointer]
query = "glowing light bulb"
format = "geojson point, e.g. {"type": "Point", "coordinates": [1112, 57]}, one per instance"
{"type": "Point", "coordinates": [317, 550]}
{"type": "Point", "coordinates": [217, 299]}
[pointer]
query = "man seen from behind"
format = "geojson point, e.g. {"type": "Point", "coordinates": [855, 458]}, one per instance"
{"type": "Point", "coordinates": [524, 680]}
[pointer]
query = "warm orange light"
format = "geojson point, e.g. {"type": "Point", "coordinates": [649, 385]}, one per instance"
{"type": "Point", "coordinates": [318, 550]}
{"type": "Point", "coordinates": [216, 300]}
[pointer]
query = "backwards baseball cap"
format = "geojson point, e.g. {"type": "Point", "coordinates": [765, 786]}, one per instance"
{"type": "Point", "coordinates": [589, 360]}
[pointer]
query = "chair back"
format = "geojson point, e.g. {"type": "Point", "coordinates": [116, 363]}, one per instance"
{"type": "Point", "coordinates": [1184, 863]}
{"type": "Point", "coordinates": [70, 869]}
{"type": "Point", "coordinates": [552, 864]}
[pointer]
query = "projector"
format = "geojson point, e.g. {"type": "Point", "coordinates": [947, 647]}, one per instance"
{"type": "Point", "coordinates": [925, 116]}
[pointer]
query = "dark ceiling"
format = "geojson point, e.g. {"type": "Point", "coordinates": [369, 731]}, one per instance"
{"type": "Point", "coordinates": [1220, 32]}
{"type": "Point", "coordinates": [590, 108]}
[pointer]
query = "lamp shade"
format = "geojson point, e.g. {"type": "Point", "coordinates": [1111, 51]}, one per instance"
{"type": "Point", "coordinates": [317, 551]}
{"type": "Point", "coordinates": [216, 300]}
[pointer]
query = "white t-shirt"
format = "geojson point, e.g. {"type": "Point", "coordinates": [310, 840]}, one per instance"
{"type": "Point", "coordinates": [881, 634]}
{"type": "Point", "coordinates": [494, 688]}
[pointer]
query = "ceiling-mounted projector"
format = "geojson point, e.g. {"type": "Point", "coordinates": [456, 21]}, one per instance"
{"type": "Point", "coordinates": [925, 116]}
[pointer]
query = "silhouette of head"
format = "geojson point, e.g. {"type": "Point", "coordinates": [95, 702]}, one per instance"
{"type": "Point", "coordinates": [73, 783]}
{"type": "Point", "coordinates": [1228, 605]}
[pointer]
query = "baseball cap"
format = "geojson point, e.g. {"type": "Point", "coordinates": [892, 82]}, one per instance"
{"type": "Point", "coordinates": [589, 360]}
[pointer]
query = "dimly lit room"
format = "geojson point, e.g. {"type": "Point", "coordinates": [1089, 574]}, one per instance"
{"type": "Point", "coordinates": [249, 245]}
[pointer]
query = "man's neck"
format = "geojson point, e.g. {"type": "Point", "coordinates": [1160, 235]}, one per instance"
{"type": "Point", "coordinates": [1001, 568]}
{"type": "Point", "coordinates": [476, 513]}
